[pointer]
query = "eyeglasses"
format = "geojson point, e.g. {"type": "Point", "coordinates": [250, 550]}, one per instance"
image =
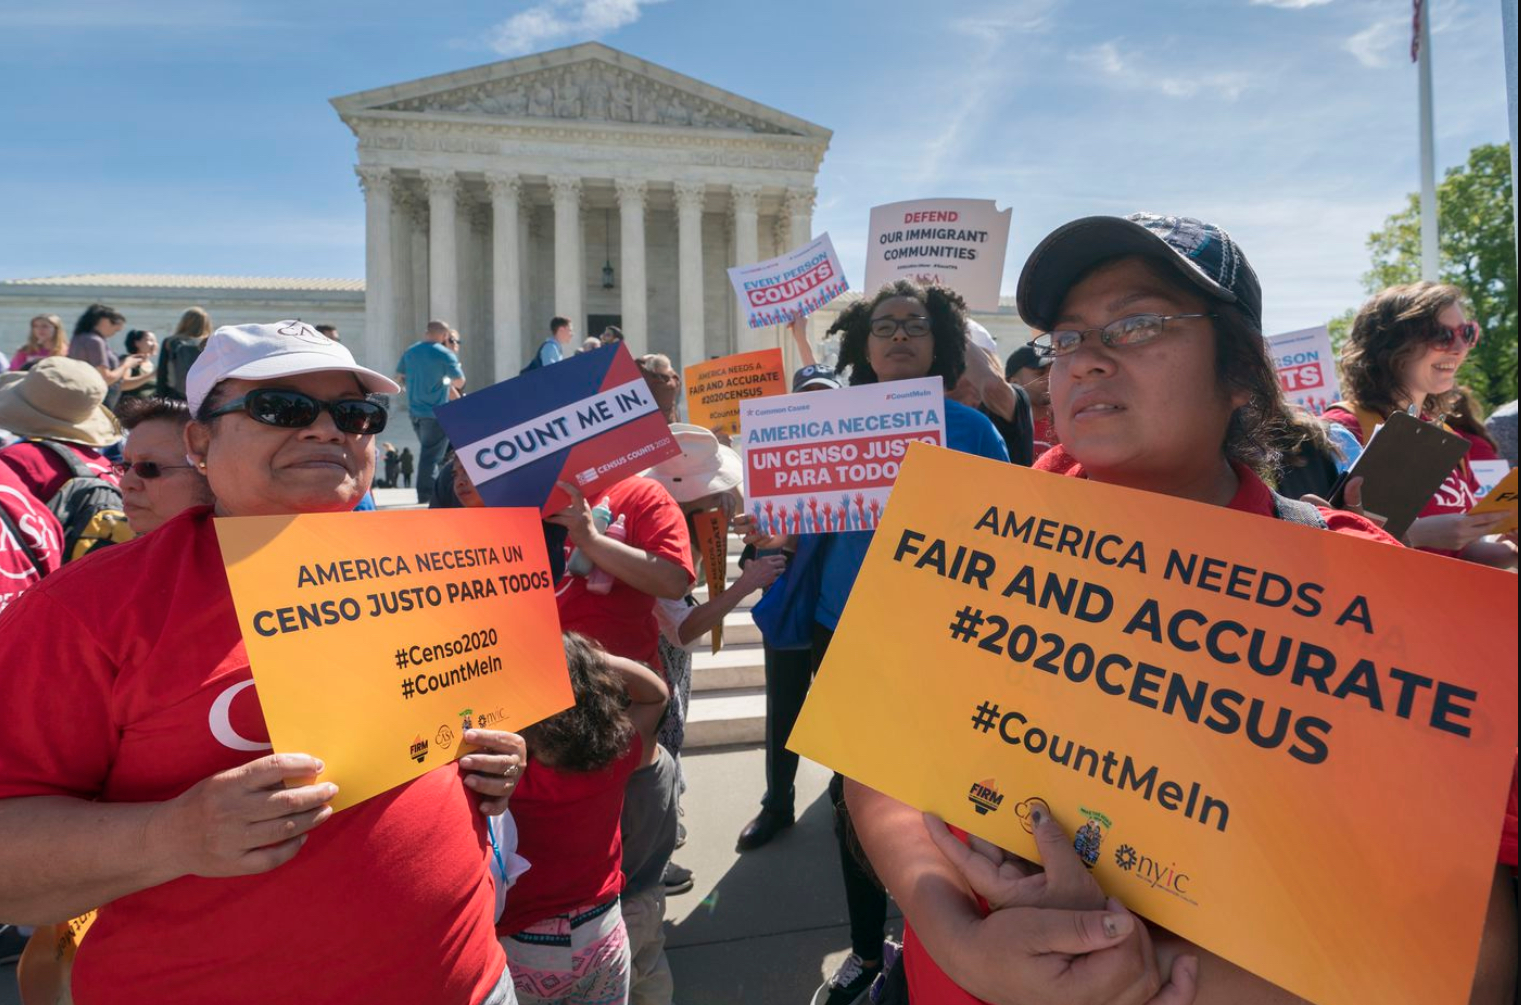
{"type": "Point", "coordinates": [145, 469]}
{"type": "Point", "coordinates": [1137, 329]}
{"type": "Point", "coordinates": [1445, 335]}
{"type": "Point", "coordinates": [273, 406]}
{"type": "Point", "coordinates": [452, 341]}
{"type": "Point", "coordinates": [917, 326]}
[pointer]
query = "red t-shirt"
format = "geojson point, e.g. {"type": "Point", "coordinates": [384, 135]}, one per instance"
{"type": "Point", "coordinates": [1045, 436]}
{"type": "Point", "coordinates": [39, 531]}
{"type": "Point", "coordinates": [389, 901]}
{"type": "Point", "coordinates": [926, 981]}
{"type": "Point", "coordinates": [568, 831]}
{"type": "Point", "coordinates": [1457, 493]}
{"type": "Point", "coordinates": [43, 472]}
{"type": "Point", "coordinates": [1479, 448]}
{"type": "Point", "coordinates": [623, 619]}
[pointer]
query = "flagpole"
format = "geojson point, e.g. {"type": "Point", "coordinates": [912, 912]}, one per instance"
{"type": "Point", "coordinates": [1430, 255]}
{"type": "Point", "coordinates": [1508, 19]}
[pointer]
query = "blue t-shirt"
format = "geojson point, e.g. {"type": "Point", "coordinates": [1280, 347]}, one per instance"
{"type": "Point", "coordinates": [426, 365]}
{"type": "Point", "coordinates": [550, 352]}
{"type": "Point", "coordinates": [966, 430]}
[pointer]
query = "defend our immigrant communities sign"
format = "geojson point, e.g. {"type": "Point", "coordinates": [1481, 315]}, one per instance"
{"type": "Point", "coordinates": [790, 286]}
{"type": "Point", "coordinates": [959, 243]}
{"type": "Point", "coordinates": [1249, 725]}
{"type": "Point", "coordinates": [589, 420]}
{"type": "Point", "coordinates": [375, 641]}
{"type": "Point", "coordinates": [1306, 368]}
{"type": "Point", "coordinates": [817, 463]}
{"type": "Point", "coordinates": [716, 387]}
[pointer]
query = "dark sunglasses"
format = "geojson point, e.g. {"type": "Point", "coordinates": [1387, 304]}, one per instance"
{"type": "Point", "coordinates": [145, 469]}
{"type": "Point", "coordinates": [273, 406]}
{"type": "Point", "coordinates": [1468, 333]}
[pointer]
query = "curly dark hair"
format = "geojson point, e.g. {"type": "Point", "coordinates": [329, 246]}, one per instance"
{"type": "Point", "coordinates": [596, 731]}
{"type": "Point", "coordinates": [133, 412]}
{"type": "Point", "coordinates": [1394, 326]}
{"type": "Point", "coordinates": [947, 314]}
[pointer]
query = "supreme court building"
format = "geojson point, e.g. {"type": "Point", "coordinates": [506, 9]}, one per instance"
{"type": "Point", "coordinates": [580, 182]}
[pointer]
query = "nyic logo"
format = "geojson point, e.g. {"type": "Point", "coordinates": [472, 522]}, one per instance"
{"type": "Point", "coordinates": [1154, 873]}
{"type": "Point", "coordinates": [985, 796]}
{"type": "Point", "coordinates": [419, 751]}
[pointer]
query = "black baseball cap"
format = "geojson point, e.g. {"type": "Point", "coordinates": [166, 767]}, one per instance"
{"type": "Point", "coordinates": [1024, 358]}
{"type": "Point", "coordinates": [816, 375]}
{"type": "Point", "coordinates": [1202, 253]}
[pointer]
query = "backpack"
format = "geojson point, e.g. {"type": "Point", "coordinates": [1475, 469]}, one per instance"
{"type": "Point", "coordinates": [88, 507]}
{"type": "Point", "coordinates": [174, 363]}
{"type": "Point", "coordinates": [1297, 511]}
{"type": "Point", "coordinates": [537, 361]}
{"type": "Point", "coordinates": [20, 539]}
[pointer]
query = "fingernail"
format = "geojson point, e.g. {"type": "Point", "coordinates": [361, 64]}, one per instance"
{"type": "Point", "coordinates": [1037, 815]}
{"type": "Point", "coordinates": [321, 767]}
{"type": "Point", "coordinates": [1117, 925]}
{"type": "Point", "coordinates": [329, 790]}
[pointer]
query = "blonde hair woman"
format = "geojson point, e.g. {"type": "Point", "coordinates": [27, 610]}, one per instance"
{"type": "Point", "coordinates": [180, 351]}
{"type": "Point", "coordinates": [47, 338]}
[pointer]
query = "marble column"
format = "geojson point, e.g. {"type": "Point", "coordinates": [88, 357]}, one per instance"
{"type": "Point", "coordinates": [443, 237]}
{"type": "Point", "coordinates": [569, 292]}
{"type": "Point", "coordinates": [689, 199]}
{"type": "Point", "coordinates": [401, 272]}
{"type": "Point", "coordinates": [632, 198]}
{"type": "Point", "coordinates": [746, 205]}
{"type": "Point", "coordinates": [506, 275]}
{"type": "Point", "coordinates": [380, 344]}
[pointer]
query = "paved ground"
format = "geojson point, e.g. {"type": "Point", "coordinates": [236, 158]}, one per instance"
{"type": "Point", "coordinates": [759, 929]}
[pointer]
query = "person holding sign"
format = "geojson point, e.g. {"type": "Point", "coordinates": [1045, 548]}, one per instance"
{"type": "Point", "coordinates": [904, 332]}
{"type": "Point", "coordinates": [136, 775]}
{"type": "Point", "coordinates": [1134, 309]}
{"type": "Point", "coordinates": [1403, 354]}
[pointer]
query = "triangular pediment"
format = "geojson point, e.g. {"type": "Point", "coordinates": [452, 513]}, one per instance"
{"type": "Point", "coordinates": [588, 83]}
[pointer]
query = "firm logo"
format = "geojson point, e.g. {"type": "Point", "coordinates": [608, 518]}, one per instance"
{"type": "Point", "coordinates": [419, 750]}
{"type": "Point", "coordinates": [984, 795]}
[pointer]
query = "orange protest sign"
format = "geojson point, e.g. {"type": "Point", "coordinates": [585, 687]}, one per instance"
{"type": "Point", "coordinates": [44, 974]}
{"type": "Point", "coordinates": [375, 639]}
{"type": "Point", "coordinates": [712, 528]}
{"type": "Point", "coordinates": [1258, 734]}
{"type": "Point", "coordinates": [715, 388]}
{"type": "Point", "coordinates": [1500, 499]}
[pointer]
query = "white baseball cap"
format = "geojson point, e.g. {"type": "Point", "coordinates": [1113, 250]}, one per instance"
{"type": "Point", "coordinates": [980, 336]}
{"type": "Point", "coordinates": [281, 349]}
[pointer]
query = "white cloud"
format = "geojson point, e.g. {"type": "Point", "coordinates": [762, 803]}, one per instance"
{"type": "Point", "coordinates": [1290, 4]}
{"type": "Point", "coordinates": [1110, 61]}
{"type": "Point", "coordinates": [563, 20]}
{"type": "Point", "coordinates": [1375, 44]}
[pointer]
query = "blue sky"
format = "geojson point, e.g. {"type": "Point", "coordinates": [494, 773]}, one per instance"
{"type": "Point", "coordinates": [196, 137]}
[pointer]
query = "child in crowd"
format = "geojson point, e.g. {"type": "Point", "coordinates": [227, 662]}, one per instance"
{"type": "Point", "coordinates": [563, 929]}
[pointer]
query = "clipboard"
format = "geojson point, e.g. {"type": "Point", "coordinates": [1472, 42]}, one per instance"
{"type": "Point", "coordinates": [1403, 465]}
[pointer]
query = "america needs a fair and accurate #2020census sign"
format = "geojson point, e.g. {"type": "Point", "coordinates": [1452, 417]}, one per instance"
{"type": "Point", "coordinates": [376, 639]}
{"type": "Point", "coordinates": [790, 286]}
{"type": "Point", "coordinates": [715, 387]}
{"type": "Point", "coordinates": [821, 463]}
{"type": "Point", "coordinates": [1252, 726]}
{"type": "Point", "coordinates": [957, 243]}
{"type": "Point", "coordinates": [589, 420]}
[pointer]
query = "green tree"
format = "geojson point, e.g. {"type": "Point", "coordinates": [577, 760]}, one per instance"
{"type": "Point", "coordinates": [1478, 255]}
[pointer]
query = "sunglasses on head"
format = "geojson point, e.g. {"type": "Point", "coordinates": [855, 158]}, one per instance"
{"type": "Point", "coordinates": [145, 469]}
{"type": "Point", "coordinates": [1466, 333]}
{"type": "Point", "coordinates": [274, 406]}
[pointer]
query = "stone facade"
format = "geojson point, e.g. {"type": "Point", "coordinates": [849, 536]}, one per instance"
{"type": "Point", "coordinates": [495, 196]}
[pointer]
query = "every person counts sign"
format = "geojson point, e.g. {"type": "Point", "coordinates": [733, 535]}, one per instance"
{"type": "Point", "coordinates": [821, 463]}
{"type": "Point", "coordinates": [375, 641]}
{"type": "Point", "coordinates": [789, 286]}
{"type": "Point", "coordinates": [1252, 727]}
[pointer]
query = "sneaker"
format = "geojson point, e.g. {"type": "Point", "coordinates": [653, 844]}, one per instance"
{"type": "Point", "coordinates": [676, 880]}
{"type": "Point", "coordinates": [12, 942]}
{"type": "Point", "coordinates": [851, 981]}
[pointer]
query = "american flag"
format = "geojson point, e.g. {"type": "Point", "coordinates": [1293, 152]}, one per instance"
{"type": "Point", "coordinates": [1415, 31]}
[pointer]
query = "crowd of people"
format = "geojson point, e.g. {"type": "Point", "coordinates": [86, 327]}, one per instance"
{"type": "Point", "coordinates": [537, 868]}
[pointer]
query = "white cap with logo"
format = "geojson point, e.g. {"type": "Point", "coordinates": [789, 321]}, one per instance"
{"type": "Point", "coordinates": [262, 352]}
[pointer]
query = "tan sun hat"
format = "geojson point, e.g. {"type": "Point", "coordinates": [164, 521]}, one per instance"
{"type": "Point", "coordinates": [703, 467]}
{"type": "Point", "coordinates": [58, 399]}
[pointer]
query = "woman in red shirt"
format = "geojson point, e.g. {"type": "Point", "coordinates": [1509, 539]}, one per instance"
{"type": "Point", "coordinates": [136, 771]}
{"type": "Point", "coordinates": [1403, 354]}
{"type": "Point", "coordinates": [562, 927]}
{"type": "Point", "coordinates": [1137, 312]}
